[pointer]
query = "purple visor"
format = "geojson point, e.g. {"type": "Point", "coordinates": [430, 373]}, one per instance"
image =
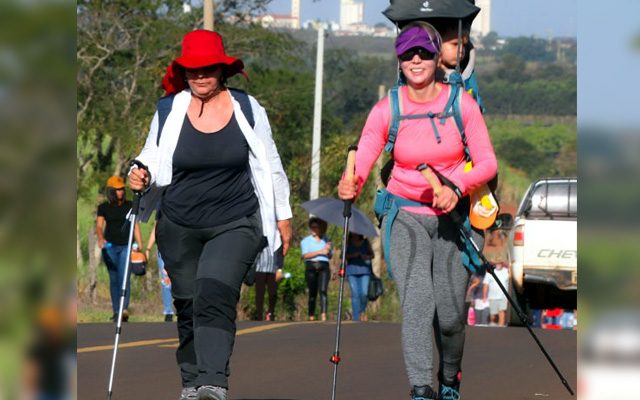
{"type": "Point", "coordinates": [416, 37]}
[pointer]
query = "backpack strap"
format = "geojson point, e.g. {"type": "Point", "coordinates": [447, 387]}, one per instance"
{"type": "Point", "coordinates": [457, 116]}
{"type": "Point", "coordinates": [387, 204]}
{"type": "Point", "coordinates": [394, 103]}
{"type": "Point", "coordinates": [453, 108]}
{"type": "Point", "coordinates": [164, 108]}
{"type": "Point", "coordinates": [166, 103]}
{"type": "Point", "coordinates": [245, 105]}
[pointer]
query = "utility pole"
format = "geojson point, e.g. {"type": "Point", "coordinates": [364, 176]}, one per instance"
{"type": "Point", "coordinates": [209, 7]}
{"type": "Point", "coordinates": [317, 117]}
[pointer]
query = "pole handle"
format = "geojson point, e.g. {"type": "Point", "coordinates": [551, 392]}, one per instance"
{"type": "Point", "coordinates": [433, 180]}
{"type": "Point", "coordinates": [350, 169]}
{"type": "Point", "coordinates": [137, 194]}
{"type": "Point", "coordinates": [349, 173]}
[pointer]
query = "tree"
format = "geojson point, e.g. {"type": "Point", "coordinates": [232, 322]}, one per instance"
{"type": "Point", "coordinates": [490, 40]}
{"type": "Point", "coordinates": [566, 162]}
{"type": "Point", "coordinates": [529, 49]}
{"type": "Point", "coordinates": [512, 68]}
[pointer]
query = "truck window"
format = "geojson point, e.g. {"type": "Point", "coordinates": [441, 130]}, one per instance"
{"type": "Point", "coordinates": [554, 199]}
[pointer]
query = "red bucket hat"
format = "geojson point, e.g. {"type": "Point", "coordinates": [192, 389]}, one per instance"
{"type": "Point", "coordinates": [200, 48]}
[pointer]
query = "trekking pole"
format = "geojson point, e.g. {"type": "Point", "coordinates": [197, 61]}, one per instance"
{"type": "Point", "coordinates": [349, 173]}
{"type": "Point", "coordinates": [428, 174]}
{"type": "Point", "coordinates": [135, 207]}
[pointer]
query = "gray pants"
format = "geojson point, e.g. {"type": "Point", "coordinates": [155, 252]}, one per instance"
{"type": "Point", "coordinates": [432, 283]}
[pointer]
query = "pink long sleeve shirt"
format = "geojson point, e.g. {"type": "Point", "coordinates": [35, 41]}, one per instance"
{"type": "Point", "coordinates": [416, 143]}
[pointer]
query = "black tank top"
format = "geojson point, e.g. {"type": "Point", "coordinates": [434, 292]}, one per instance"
{"type": "Point", "coordinates": [211, 183]}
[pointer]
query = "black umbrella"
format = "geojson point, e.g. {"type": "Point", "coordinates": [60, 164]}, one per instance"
{"type": "Point", "coordinates": [402, 11]}
{"type": "Point", "coordinates": [330, 210]}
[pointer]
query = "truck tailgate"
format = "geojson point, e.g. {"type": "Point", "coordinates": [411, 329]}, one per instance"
{"type": "Point", "coordinates": [551, 248]}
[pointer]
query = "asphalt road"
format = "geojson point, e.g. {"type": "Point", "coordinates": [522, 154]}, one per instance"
{"type": "Point", "coordinates": [280, 361]}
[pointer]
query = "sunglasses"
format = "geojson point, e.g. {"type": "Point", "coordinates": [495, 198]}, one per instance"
{"type": "Point", "coordinates": [424, 54]}
{"type": "Point", "coordinates": [203, 70]}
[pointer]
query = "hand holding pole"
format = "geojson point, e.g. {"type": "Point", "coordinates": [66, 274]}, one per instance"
{"type": "Point", "coordinates": [349, 174]}
{"type": "Point", "coordinates": [433, 180]}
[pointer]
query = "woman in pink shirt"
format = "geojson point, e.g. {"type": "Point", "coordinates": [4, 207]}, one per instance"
{"type": "Point", "coordinates": [425, 252]}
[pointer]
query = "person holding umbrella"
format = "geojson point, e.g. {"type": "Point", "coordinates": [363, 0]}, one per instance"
{"type": "Point", "coordinates": [425, 252]}
{"type": "Point", "coordinates": [223, 201]}
{"type": "Point", "coordinates": [316, 253]}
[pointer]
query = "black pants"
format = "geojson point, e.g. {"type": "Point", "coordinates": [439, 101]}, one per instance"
{"type": "Point", "coordinates": [206, 267]}
{"type": "Point", "coordinates": [269, 280]}
{"type": "Point", "coordinates": [316, 274]}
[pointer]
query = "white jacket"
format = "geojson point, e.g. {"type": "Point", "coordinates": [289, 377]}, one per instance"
{"type": "Point", "coordinates": [269, 180]}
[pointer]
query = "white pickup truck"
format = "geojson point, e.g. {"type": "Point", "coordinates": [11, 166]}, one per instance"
{"type": "Point", "coordinates": [543, 245]}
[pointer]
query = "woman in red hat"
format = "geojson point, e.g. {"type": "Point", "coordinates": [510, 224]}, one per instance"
{"type": "Point", "coordinates": [223, 204]}
{"type": "Point", "coordinates": [112, 228]}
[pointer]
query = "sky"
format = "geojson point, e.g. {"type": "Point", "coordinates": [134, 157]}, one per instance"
{"type": "Point", "coordinates": [509, 17]}
{"type": "Point", "coordinates": [608, 65]}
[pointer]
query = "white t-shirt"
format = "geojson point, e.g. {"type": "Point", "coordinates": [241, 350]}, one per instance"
{"type": "Point", "coordinates": [495, 293]}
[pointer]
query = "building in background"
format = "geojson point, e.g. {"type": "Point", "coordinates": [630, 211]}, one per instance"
{"type": "Point", "coordinates": [482, 23]}
{"type": "Point", "coordinates": [278, 21]}
{"type": "Point", "coordinates": [272, 20]}
{"type": "Point", "coordinates": [351, 13]}
{"type": "Point", "coordinates": [295, 13]}
{"type": "Point", "coordinates": [351, 21]}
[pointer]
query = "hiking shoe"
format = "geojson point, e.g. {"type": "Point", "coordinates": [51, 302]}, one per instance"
{"type": "Point", "coordinates": [125, 315]}
{"type": "Point", "coordinates": [168, 318]}
{"type": "Point", "coordinates": [449, 392]}
{"type": "Point", "coordinates": [208, 392]}
{"type": "Point", "coordinates": [189, 393]}
{"type": "Point", "coordinates": [423, 393]}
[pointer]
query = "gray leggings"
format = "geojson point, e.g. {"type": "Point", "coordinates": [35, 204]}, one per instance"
{"type": "Point", "coordinates": [432, 283]}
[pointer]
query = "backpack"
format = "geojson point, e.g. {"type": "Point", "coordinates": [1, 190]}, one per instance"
{"type": "Point", "coordinates": [451, 109]}
{"type": "Point", "coordinates": [389, 204]}
{"type": "Point", "coordinates": [166, 103]}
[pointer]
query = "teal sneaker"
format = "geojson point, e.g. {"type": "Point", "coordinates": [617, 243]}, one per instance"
{"type": "Point", "coordinates": [449, 392]}
{"type": "Point", "coordinates": [423, 393]}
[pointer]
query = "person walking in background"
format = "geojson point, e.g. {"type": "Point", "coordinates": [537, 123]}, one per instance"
{"type": "Point", "coordinates": [165, 281]}
{"type": "Point", "coordinates": [359, 256]}
{"type": "Point", "coordinates": [268, 279]}
{"type": "Point", "coordinates": [495, 296]}
{"type": "Point", "coordinates": [424, 256]}
{"type": "Point", "coordinates": [316, 253]}
{"type": "Point", "coordinates": [479, 304]}
{"type": "Point", "coordinates": [215, 176]}
{"type": "Point", "coordinates": [112, 228]}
